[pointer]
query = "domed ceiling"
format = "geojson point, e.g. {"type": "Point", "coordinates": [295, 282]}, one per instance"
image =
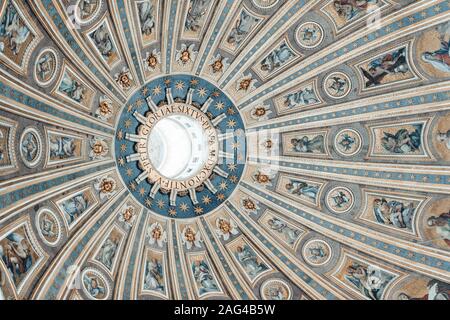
{"type": "Point", "coordinates": [314, 162]}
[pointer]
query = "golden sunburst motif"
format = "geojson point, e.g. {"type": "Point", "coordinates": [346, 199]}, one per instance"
{"type": "Point", "coordinates": [231, 123]}
{"type": "Point", "coordinates": [156, 91]}
{"type": "Point", "coordinates": [128, 123]}
{"type": "Point", "coordinates": [142, 192]}
{"type": "Point", "coordinates": [139, 103]}
{"type": "Point", "coordinates": [193, 82]}
{"type": "Point", "coordinates": [231, 111]}
{"type": "Point", "coordinates": [144, 91]}
{"type": "Point", "coordinates": [234, 179]}
{"type": "Point", "coordinates": [179, 85]}
{"type": "Point", "coordinates": [202, 92]}
{"type": "Point", "coordinates": [220, 197]}
{"type": "Point", "coordinates": [119, 134]}
{"type": "Point", "coordinates": [129, 172]}
{"type": "Point", "coordinates": [123, 148]}
{"type": "Point", "coordinates": [184, 207]}
{"type": "Point", "coordinates": [172, 212]}
{"type": "Point", "coordinates": [161, 204]}
{"type": "Point", "coordinates": [232, 166]}
{"type": "Point", "coordinates": [206, 200]}
{"type": "Point", "coordinates": [148, 202]}
{"type": "Point", "coordinates": [132, 186]}
{"type": "Point", "coordinates": [198, 210]}
{"type": "Point", "coordinates": [220, 105]}
{"type": "Point", "coordinates": [223, 185]}
{"type": "Point", "coordinates": [121, 161]}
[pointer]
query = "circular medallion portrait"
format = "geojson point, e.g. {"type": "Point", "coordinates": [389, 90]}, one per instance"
{"type": "Point", "coordinates": [30, 147]}
{"type": "Point", "coordinates": [340, 199]}
{"type": "Point", "coordinates": [48, 226]}
{"type": "Point", "coordinates": [265, 4]}
{"type": "Point", "coordinates": [276, 289]}
{"type": "Point", "coordinates": [46, 67]}
{"type": "Point", "coordinates": [95, 285]}
{"type": "Point", "coordinates": [310, 35]}
{"type": "Point", "coordinates": [86, 11]}
{"type": "Point", "coordinates": [337, 85]}
{"type": "Point", "coordinates": [348, 142]}
{"type": "Point", "coordinates": [316, 252]}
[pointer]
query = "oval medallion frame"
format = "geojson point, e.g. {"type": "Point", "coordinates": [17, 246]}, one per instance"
{"type": "Point", "coordinates": [38, 140]}
{"type": "Point", "coordinates": [307, 246]}
{"type": "Point", "coordinates": [266, 284]}
{"type": "Point", "coordinates": [54, 72]}
{"type": "Point", "coordinates": [48, 211]}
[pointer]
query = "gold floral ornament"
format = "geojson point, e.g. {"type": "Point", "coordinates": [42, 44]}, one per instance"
{"type": "Point", "coordinates": [124, 78]}
{"type": "Point", "coordinates": [152, 60]}
{"type": "Point", "coordinates": [218, 64]}
{"type": "Point", "coordinates": [186, 54]}
{"type": "Point", "coordinates": [127, 216]}
{"type": "Point", "coordinates": [267, 144]}
{"type": "Point", "coordinates": [191, 238]}
{"type": "Point", "coordinates": [156, 235]}
{"type": "Point", "coordinates": [250, 206]}
{"type": "Point", "coordinates": [105, 109]}
{"type": "Point", "coordinates": [99, 149]}
{"type": "Point", "coordinates": [264, 177]}
{"type": "Point", "coordinates": [260, 113]}
{"type": "Point", "coordinates": [106, 186]}
{"type": "Point", "coordinates": [226, 228]}
{"type": "Point", "coordinates": [246, 83]}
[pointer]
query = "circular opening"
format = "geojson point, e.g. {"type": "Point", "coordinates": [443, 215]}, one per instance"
{"type": "Point", "coordinates": [178, 147]}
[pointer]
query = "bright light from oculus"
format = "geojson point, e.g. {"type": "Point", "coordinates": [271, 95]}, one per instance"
{"type": "Point", "coordinates": [178, 147]}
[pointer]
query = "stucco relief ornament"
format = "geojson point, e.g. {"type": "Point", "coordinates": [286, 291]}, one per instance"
{"type": "Point", "coordinates": [246, 83]}
{"type": "Point", "coordinates": [105, 109]}
{"type": "Point", "coordinates": [186, 54]}
{"type": "Point", "coordinates": [218, 63]}
{"type": "Point", "coordinates": [152, 60]}
{"type": "Point", "coordinates": [264, 177]}
{"type": "Point", "coordinates": [127, 216]}
{"type": "Point", "coordinates": [250, 206]}
{"type": "Point", "coordinates": [260, 113]}
{"type": "Point", "coordinates": [124, 78]}
{"type": "Point", "coordinates": [106, 186]}
{"type": "Point", "coordinates": [99, 149]}
{"type": "Point", "coordinates": [156, 235]}
{"type": "Point", "coordinates": [191, 238]}
{"type": "Point", "coordinates": [270, 145]}
{"type": "Point", "coordinates": [226, 228]}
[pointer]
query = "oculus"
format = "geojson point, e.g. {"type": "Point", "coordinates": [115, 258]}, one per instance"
{"type": "Point", "coordinates": [175, 146]}
{"type": "Point", "coordinates": [181, 145]}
